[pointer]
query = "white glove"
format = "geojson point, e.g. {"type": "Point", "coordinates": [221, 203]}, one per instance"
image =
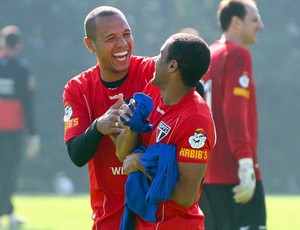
{"type": "Point", "coordinates": [33, 145]}
{"type": "Point", "coordinates": [245, 190]}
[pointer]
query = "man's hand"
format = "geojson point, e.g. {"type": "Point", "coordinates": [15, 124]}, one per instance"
{"type": "Point", "coordinates": [33, 146]}
{"type": "Point", "coordinates": [136, 117]}
{"type": "Point", "coordinates": [132, 163]}
{"type": "Point", "coordinates": [245, 190]}
{"type": "Point", "coordinates": [125, 112]}
{"type": "Point", "coordinates": [107, 124]}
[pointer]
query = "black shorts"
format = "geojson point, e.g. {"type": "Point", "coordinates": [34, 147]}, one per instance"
{"type": "Point", "coordinates": [222, 213]}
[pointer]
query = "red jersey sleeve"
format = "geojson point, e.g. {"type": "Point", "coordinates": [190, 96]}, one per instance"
{"type": "Point", "coordinates": [76, 117]}
{"type": "Point", "coordinates": [238, 86]}
{"type": "Point", "coordinates": [196, 139]}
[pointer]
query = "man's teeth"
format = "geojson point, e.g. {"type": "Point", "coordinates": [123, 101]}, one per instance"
{"type": "Point", "coordinates": [120, 54]}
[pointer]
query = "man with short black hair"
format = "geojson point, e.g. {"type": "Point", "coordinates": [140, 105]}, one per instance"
{"type": "Point", "coordinates": [92, 100]}
{"type": "Point", "coordinates": [180, 119]}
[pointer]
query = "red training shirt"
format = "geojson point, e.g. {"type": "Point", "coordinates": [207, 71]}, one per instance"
{"type": "Point", "coordinates": [230, 92]}
{"type": "Point", "coordinates": [190, 127]}
{"type": "Point", "coordinates": [85, 99]}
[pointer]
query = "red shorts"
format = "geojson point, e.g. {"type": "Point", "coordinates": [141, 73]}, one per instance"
{"type": "Point", "coordinates": [172, 216]}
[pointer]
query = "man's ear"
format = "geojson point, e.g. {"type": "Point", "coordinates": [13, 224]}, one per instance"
{"type": "Point", "coordinates": [236, 22]}
{"type": "Point", "coordinates": [173, 66]}
{"type": "Point", "coordinates": [89, 44]}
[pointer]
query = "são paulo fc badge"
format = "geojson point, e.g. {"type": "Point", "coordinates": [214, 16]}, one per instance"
{"type": "Point", "coordinates": [197, 141]}
{"type": "Point", "coordinates": [162, 131]}
{"type": "Point", "coordinates": [244, 80]}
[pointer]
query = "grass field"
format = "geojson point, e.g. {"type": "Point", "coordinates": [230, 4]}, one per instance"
{"type": "Point", "coordinates": [49, 212]}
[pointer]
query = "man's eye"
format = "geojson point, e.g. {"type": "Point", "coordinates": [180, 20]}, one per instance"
{"type": "Point", "coordinates": [111, 39]}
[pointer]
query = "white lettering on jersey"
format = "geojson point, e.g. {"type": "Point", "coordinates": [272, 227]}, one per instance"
{"type": "Point", "coordinates": [160, 110]}
{"type": "Point", "coordinates": [162, 130]}
{"type": "Point", "coordinates": [114, 97]}
{"type": "Point", "coordinates": [7, 86]}
{"type": "Point", "coordinates": [117, 171]}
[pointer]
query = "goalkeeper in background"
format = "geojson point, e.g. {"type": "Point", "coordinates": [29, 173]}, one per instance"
{"type": "Point", "coordinates": [16, 118]}
{"type": "Point", "coordinates": [233, 196]}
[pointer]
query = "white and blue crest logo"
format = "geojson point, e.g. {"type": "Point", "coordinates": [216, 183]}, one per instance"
{"type": "Point", "coordinates": [162, 131]}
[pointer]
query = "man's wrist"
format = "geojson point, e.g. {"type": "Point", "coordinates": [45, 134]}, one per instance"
{"type": "Point", "coordinates": [246, 162]}
{"type": "Point", "coordinates": [94, 129]}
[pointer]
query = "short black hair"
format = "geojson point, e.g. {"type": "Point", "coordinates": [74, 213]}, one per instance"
{"type": "Point", "coordinates": [227, 10]}
{"type": "Point", "coordinates": [192, 55]}
{"type": "Point", "coordinates": [90, 20]}
{"type": "Point", "coordinates": [12, 40]}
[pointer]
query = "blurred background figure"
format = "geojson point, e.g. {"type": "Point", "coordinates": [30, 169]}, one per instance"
{"type": "Point", "coordinates": [62, 184]}
{"type": "Point", "coordinates": [233, 193]}
{"type": "Point", "coordinates": [16, 118]}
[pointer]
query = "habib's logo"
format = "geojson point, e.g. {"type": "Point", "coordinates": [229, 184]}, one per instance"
{"type": "Point", "coordinates": [197, 141]}
{"type": "Point", "coordinates": [69, 123]}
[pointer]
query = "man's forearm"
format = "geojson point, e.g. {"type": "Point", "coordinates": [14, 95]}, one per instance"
{"type": "Point", "coordinates": [125, 143]}
{"type": "Point", "coordinates": [186, 189]}
{"type": "Point", "coordinates": [83, 147]}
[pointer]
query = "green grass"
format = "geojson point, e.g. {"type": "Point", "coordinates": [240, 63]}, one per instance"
{"type": "Point", "coordinates": [50, 212]}
{"type": "Point", "coordinates": [283, 212]}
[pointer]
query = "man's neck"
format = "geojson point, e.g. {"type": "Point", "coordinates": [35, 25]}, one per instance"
{"type": "Point", "coordinates": [173, 95]}
{"type": "Point", "coordinates": [233, 38]}
{"type": "Point", "coordinates": [112, 76]}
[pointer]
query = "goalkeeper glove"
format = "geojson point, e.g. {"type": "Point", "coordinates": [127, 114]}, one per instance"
{"type": "Point", "coordinates": [245, 190]}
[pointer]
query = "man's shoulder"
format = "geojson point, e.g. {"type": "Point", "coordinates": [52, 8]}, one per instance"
{"type": "Point", "coordinates": [193, 106]}
{"type": "Point", "coordinates": [137, 58]}
{"type": "Point", "coordinates": [141, 68]}
{"type": "Point", "coordinates": [141, 60]}
{"type": "Point", "coordinates": [85, 76]}
{"type": "Point", "coordinates": [83, 80]}
{"type": "Point", "coordinates": [237, 50]}
{"type": "Point", "coordinates": [15, 66]}
{"type": "Point", "coordinates": [229, 47]}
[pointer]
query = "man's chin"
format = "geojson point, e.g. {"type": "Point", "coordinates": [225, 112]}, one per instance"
{"type": "Point", "coordinates": [121, 67]}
